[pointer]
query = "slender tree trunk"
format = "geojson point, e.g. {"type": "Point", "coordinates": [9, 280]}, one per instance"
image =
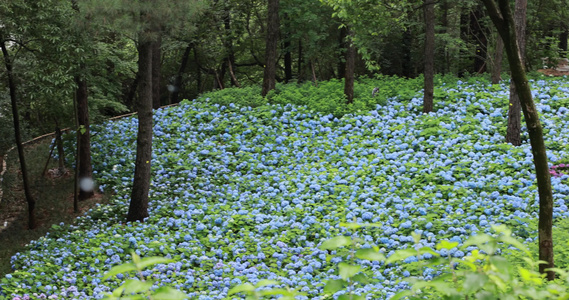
{"type": "Point", "coordinates": [350, 70]}
{"type": "Point", "coordinates": [299, 67]}
{"type": "Point", "coordinates": [445, 24]}
{"type": "Point", "coordinates": [198, 71]}
{"type": "Point", "coordinates": [85, 167]}
{"type": "Point", "coordinates": [60, 152]}
{"type": "Point", "coordinates": [287, 61]}
{"type": "Point", "coordinates": [479, 30]}
{"type": "Point", "coordinates": [77, 159]}
{"type": "Point", "coordinates": [269, 76]}
{"type": "Point", "coordinates": [46, 163]}
{"type": "Point", "coordinates": [230, 60]}
{"type": "Point", "coordinates": [513, 135]}
{"type": "Point", "coordinates": [466, 38]}
{"type": "Point", "coordinates": [342, 45]}
{"type": "Point", "coordinates": [502, 17]}
{"type": "Point", "coordinates": [314, 79]}
{"type": "Point", "coordinates": [138, 209]}
{"type": "Point", "coordinates": [563, 36]}
{"type": "Point", "coordinates": [407, 64]}
{"type": "Point", "coordinates": [130, 98]}
{"type": "Point", "coordinates": [156, 72]}
{"type": "Point", "coordinates": [177, 86]}
{"type": "Point", "coordinates": [429, 10]}
{"type": "Point", "coordinates": [16, 117]}
{"type": "Point", "coordinates": [498, 57]}
{"type": "Point", "coordinates": [234, 80]}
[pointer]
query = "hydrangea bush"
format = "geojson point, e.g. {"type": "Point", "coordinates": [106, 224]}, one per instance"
{"type": "Point", "coordinates": [243, 194]}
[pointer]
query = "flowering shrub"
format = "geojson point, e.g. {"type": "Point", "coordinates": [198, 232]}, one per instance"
{"type": "Point", "coordinates": [559, 170]}
{"type": "Point", "coordinates": [241, 194]}
{"type": "Point", "coordinates": [482, 274]}
{"type": "Point", "coordinates": [141, 288]}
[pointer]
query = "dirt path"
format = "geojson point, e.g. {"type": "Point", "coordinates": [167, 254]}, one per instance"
{"type": "Point", "coordinates": [562, 69]}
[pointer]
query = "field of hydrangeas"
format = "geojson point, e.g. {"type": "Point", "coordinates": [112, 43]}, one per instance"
{"type": "Point", "coordinates": [240, 194]}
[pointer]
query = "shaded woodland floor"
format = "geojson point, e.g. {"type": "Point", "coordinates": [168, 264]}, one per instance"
{"type": "Point", "coordinates": [54, 202]}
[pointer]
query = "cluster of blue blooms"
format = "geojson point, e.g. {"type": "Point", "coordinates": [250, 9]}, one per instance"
{"type": "Point", "coordinates": [241, 194]}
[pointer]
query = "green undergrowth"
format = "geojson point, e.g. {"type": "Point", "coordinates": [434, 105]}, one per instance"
{"type": "Point", "coordinates": [325, 96]}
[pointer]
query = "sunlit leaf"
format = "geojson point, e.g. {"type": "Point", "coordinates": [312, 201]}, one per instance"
{"type": "Point", "coordinates": [346, 270]}
{"type": "Point", "coordinates": [401, 255]}
{"type": "Point", "coordinates": [245, 287]}
{"type": "Point", "coordinates": [336, 242]}
{"type": "Point", "coordinates": [369, 254]}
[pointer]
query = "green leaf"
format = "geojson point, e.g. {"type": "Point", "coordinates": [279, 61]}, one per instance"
{"type": "Point", "coordinates": [361, 278]}
{"type": "Point", "coordinates": [149, 261]}
{"type": "Point", "coordinates": [136, 286]}
{"type": "Point", "coordinates": [272, 292]}
{"type": "Point", "coordinates": [347, 271]}
{"type": "Point", "coordinates": [124, 268]}
{"type": "Point", "coordinates": [350, 297]}
{"type": "Point", "coordinates": [446, 245]}
{"type": "Point", "coordinates": [168, 293]}
{"type": "Point", "coordinates": [401, 295]}
{"type": "Point", "coordinates": [369, 254]}
{"type": "Point", "coordinates": [245, 287]}
{"type": "Point", "coordinates": [474, 282]}
{"type": "Point", "coordinates": [424, 250]}
{"type": "Point", "coordinates": [400, 255]}
{"type": "Point", "coordinates": [265, 282]}
{"type": "Point", "coordinates": [416, 237]}
{"type": "Point", "coordinates": [485, 295]}
{"type": "Point", "coordinates": [334, 285]}
{"type": "Point", "coordinates": [352, 226]}
{"type": "Point", "coordinates": [478, 239]}
{"type": "Point", "coordinates": [335, 243]}
{"type": "Point", "coordinates": [514, 242]}
{"type": "Point", "coordinates": [502, 264]}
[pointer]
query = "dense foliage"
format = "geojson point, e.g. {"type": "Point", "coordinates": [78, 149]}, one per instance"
{"type": "Point", "coordinates": [325, 97]}
{"type": "Point", "coordinates": [241, 194]}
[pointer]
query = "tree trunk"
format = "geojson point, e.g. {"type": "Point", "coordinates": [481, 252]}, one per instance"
{"type": "Point", "coordinates": [503, 20]}
{"type": "Point", "coordinates": [407, 64]}
{"type": "Point", "coordinates": [478, 31]}
{"type": "Point", "coordinates": [234, 80]}
{"type": "Point", "coordinates": [138, 209]}
{"type": "Point", "coordinates": [156, 72]}
{"type": "Point", "coordinates": [563, 36]}
{"type": "Point", "coordinates": [513, 135]}
{"type": "Point", "coordinates": [299, 67]}
{"type": "Point", "coordinates": [177, 86]}
{"type": "Point", "coordinates": [130, 98]}
{"type": "Point", "coordinates": [429, 10]}
{"type": "Point", "coordinates": [498, 57]}
{"type": "Point", "coordinates": [16, 117]}
{"type": "Point", "coordinates": [445, 29]}
{"type": "Point", "coordinates": [230, 60]}
{"type": "Point", "coordinates": [465, 36]}
{"type": "Point", "coordinates": [269, 76]}
{"type": "Point", "coordinates": [85, 168]}
{"type": "Point", "coordinates": [342, 45]}
{"type": "Point", "coordinates": [287, 61]}
{"type": "Point", "coordinates": [198, 71]}
{"type": "Point", "coordinates": [350, 69]}
{"type": "Point", "coordinates": [60, 152]}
